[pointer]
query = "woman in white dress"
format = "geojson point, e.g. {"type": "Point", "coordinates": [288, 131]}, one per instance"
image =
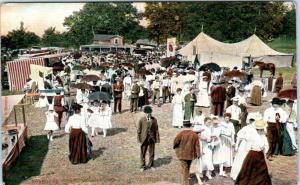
{"type": "Point", "coordinates": [178, 104]}
{"type": "Point", "coordinates": [227, 141]}
{"type": "Point", "coordinates": [51, 125]}
{"type": "Point", "coordinates": [202, 97]}
{"type": "Point", "coordinates": [248, 138]}
{"type": "Point", "coordinates": [105, 115]}
{"type": "Point", "coordinates": [206, 140]}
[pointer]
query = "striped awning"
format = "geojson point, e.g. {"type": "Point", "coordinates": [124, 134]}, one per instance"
{"type": "Point", "coordinates": [19, 71]}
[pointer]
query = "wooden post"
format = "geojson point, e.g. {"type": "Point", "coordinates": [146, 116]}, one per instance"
{"type": "Point", "coordinates": [16, 120]}
{"type": "Point", "coordinates": [24, 117]}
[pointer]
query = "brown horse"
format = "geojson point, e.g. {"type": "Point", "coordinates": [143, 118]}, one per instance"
{"type": "Point", "coordinates": [265, 66]}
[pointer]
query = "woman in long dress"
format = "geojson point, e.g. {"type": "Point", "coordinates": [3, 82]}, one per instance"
{"type": "Point", "coordinates": [105, 115]}
{"type": "Point", "coordinates": [178, 104]}
{"type": "Point", "coordinates": [78, 140]}
{"type": "Point", "coordinates": [227, 140]}
{"type": "Point", "coordinates": [51, 124]}
{"type": "Point", "coordinates": [202, 97]}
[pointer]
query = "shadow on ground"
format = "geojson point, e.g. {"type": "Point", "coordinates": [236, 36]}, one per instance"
{"type": "Point", "coordinates": [30, 162]}
{"type": "Point", "coordinates": [97, 153]}
{"type": "Point", "coordinates": [115, 131]}
{"type": "Point", "coordinates": [162, 161]}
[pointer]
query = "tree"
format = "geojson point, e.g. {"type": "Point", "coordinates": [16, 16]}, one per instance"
{"type": "Point", "coordinates": [21, 38]}
{"type": "Point", "coordinates": [225, 21]}
{"type": "Point", "coordinates": [52, 38]}
{"type": "Point", "coordinates": [289, 23]}
{"type": "Point", "coordinates": [103, 18]}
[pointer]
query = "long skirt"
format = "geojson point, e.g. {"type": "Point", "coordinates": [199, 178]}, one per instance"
{"type": "Point", "coordinates": [78, 147]}
{"type": "Point", "coordinates": [256, 96]}
{"type": "Point", "coordinates": [286, 146]}
{"type": "Point", "coordinates": [189, 111]}
{"type": "Point", "coordinates": [142, 101]}
{"type": "Point", "coordinates": [177, 120]}
{"type": "Point", "coordinates": [254, 170]}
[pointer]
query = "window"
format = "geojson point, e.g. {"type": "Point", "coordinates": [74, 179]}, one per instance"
{"type": "Point", "coordinates": [116, 41]}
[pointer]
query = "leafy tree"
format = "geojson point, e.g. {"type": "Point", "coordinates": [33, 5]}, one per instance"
{"type": "Point", "coordinates": [289, 23]}
{"type": "Point", "coordinates": [52, 38]}
{"type": "Point", "coordinates": [103, 18]}
{"type": "Point", "coordinates": [21, 38]}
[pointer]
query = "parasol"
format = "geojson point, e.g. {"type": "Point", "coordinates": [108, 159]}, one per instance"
{"type": "Point", "coordinates": [210, 66]}
{"type": "Point", "coordinates": [144, 72]}
{"type": "Point", "coordinates": [99, 96]}
{"type": "Point", "coordinates": [288, 93]}
{"type": "Point", "coordinates": [89, 78]}
{"type": "Point", "coordinates": [82, 86]}
{"type": "Point", "coordinates": [235, 73]}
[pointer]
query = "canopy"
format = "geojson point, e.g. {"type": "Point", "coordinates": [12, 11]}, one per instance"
{"type": "Point", "coordinates": [211, 50]}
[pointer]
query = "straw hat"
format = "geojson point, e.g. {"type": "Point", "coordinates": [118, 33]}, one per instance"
{"type": "Point", "coordinates": [260, 124]}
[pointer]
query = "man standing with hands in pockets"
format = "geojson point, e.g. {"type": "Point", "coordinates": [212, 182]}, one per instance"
{"type": "Point", "coordinates": [148, 135]}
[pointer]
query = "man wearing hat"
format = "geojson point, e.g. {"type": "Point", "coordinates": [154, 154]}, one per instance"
{"type": "Point", "coordinates": [156, 89]}
{"type": "Point", "coordinates": [118, 89]}
{"type": "Point", "coordinates": [166, 89]}
{"type": "Point", "coordinates": [278, 83]}
{"type": "Point", "coordinates": [189, 101]}
{"type": "Point", "coordinates": [187, 148]}
{"type": "Point", "coordinates": [230, 93]}
{"type": "Point", "coordinates": [134, 97]}
{"type": "Point", "coordinates": [148, 135]}
{"type": "Point", "coordinates": [235, 112]}
{"type": "Point", "coordinates": [218, 98]}
{"type": "Point", "coordinates": [174, 83]}
{"type": "Point", "coordinates": [69, 101]}
{"type": "Point", "coordinates": [274, 116]}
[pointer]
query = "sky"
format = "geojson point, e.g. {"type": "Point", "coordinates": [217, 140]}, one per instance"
{"type": "Point", "coordinates": [39, 16]}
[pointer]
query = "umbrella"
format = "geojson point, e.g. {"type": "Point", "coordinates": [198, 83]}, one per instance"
{"type": "Point", "coordinates": [99, 96]}
{"type": "Point", "coordinates": [82, 86]}
{"type": "Point", "coordinates": [288, 93]}
{"type": "Point", "coordinates": [210, 66]}
{"type": "Point", "coordinates": [144, 72]}
{"type": "Point", "coordinates": [89, 78]}
{"type": "Point", "coordinates": [235, 73]}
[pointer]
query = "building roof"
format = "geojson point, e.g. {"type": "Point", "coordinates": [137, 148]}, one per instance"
{"type": "Point", "coordinates": [104, 37]}
{"type": "Point", "coordinates": [146, 42]}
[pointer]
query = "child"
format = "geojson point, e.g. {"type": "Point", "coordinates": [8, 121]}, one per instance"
{"type": "Point", "coordinates": [51, 125]}
{"type": "Point", "coordinates": [218, 153]}
{"type": "Point", "coordinates": [206, 140]}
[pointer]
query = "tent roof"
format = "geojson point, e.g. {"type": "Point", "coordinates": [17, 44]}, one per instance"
{"type": "Point", "coordinates": [205, 44]}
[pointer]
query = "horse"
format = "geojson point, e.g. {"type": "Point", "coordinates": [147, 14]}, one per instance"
{"type": "Point", "coordinates": [265, 66]}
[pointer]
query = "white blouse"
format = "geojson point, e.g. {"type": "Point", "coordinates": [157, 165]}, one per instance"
{"type": "Point", "coordinates": [76, 121]}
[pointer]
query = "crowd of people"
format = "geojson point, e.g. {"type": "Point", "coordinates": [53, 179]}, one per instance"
{"type": "Point", "coordinates": [219, 129]}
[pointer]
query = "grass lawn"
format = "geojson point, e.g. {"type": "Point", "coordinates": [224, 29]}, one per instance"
{"type": "Point", "coordinates": [285, 45]}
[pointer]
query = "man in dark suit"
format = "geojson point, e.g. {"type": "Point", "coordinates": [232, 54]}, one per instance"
{"type": "Point", "coordinates": [187, 147]}
{"type": "Point", "coordinates": [278, 83]}
{"type": "Point", "coordinates": [134, 97]}
{"type": "Point", "coordinates": [118, 89]}
{"type": "Point", "coordinates": [148, 135]}
{"type": "Point", "coordinates": [69, 101]}
{"type": "Point", "coordinates": [230, 93]}
{"type": "Point", "coordinates": [218, 98]}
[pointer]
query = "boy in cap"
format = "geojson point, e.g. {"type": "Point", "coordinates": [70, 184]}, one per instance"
{"type": "Point", "coordinates": [148, 135]}
{"type": "Point", "coordinates": [235, 112]}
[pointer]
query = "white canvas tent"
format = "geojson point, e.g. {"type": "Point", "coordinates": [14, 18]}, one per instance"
{"type": "Point", "coordinates": [230, 55]}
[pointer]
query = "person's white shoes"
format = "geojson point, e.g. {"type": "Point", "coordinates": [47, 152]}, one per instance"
{"type": "Point", "coordinates": [222, 174]}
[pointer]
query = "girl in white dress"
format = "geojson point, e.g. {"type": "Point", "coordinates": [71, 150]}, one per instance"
{"type": "Point", "coordinates": [105, 115]}
{"type": "Point", "coordinates": [218, 149]}
{"type": "Point", "coordinates": [51, 125]}
{"type": "Point", "coordinates": [206, 140]}
{"type": "Point", "coordinates": [178, 104]}
{"type": "Point", "coordinates": [202, 97]}
{"type": "Point", "coordinates": [94, 118]}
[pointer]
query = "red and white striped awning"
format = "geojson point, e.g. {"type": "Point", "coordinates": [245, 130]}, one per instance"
{"type": "Point", "coordinates": [19, 71]}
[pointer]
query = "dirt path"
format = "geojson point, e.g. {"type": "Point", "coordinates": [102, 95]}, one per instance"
{"type": "Point", "coordinates": [116, 157]}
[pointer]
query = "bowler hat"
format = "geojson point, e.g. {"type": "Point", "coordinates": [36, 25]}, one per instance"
{"type": "Point", "coordinates": [147, 110]}
{"type": "Point", "coordinates": [276, 101]}
{"type": "Point", "coordinates": [76, 106]}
